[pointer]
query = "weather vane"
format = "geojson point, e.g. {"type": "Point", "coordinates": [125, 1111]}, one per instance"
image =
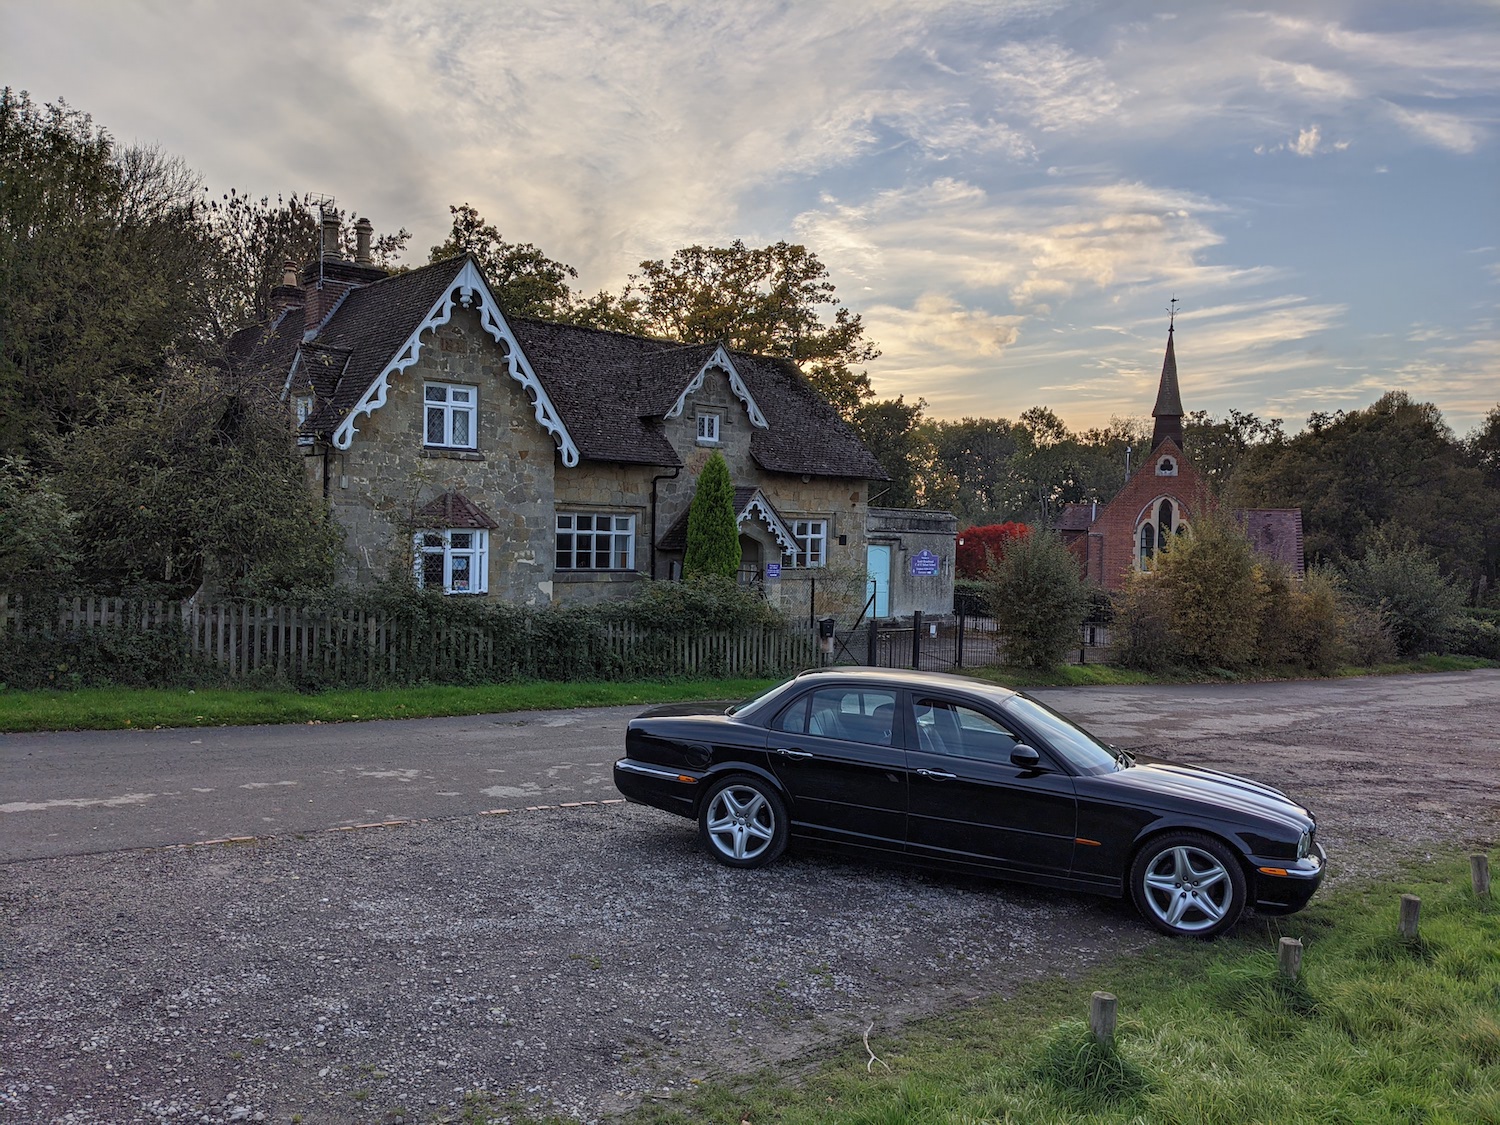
{"type": "Point", "coordinates": [1172, 313]}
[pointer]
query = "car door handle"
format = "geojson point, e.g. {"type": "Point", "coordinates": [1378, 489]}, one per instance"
{"type": "Point", "coordinates": [938, 775]}
{"type": "Point", "coordinates": [796, 755]}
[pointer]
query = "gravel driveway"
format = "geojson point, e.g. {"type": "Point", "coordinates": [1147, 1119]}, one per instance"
{"type": "Point", "coordinates": [578, 959]}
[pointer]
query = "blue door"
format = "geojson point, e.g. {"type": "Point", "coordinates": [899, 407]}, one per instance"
{"type": "Point", "coordinates": [878, 578]}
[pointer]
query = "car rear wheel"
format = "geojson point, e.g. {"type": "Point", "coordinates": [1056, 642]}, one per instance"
{"type": "Point", "coordinates": [743, 822]}
{"type": "Point", "coordinates": [1188, 885]}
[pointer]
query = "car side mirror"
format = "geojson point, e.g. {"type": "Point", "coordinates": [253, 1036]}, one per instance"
{"type": "Point", "coordinates": [1025, 757]}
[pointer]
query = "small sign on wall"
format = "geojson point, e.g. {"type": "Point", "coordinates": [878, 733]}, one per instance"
{"type": "Point", "coordinates": [773, 570]}
{"type": "Point", "coordinates": [924, 564]}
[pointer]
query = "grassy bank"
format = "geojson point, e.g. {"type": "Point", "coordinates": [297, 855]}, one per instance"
{"type": "Point", "coordinates": [126, 708]}
{"type": "Point", "coordinates": [132, 708]}
{"type": "Point", "coordinates": [1378, 1029]}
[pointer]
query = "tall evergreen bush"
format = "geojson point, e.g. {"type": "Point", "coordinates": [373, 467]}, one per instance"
{"type": "Point", "coordinates": [713, 535]}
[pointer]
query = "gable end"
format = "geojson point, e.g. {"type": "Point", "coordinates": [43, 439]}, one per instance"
{"type": "Point", "coordinates": [469, 290]}
{"type": "Point", "coordinates": [721, 360]}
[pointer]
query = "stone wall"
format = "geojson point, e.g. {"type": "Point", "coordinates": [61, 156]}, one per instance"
{"type": "Point", "coordinates": [908, 532]}
{"type": "Point", "coordinates": [378, 484]}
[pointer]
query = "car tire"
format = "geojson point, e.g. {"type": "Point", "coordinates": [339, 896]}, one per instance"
{"type": "Point", "coordinates": [1188, 885]}
{"type": "Point", "coordinates": [742, 822]}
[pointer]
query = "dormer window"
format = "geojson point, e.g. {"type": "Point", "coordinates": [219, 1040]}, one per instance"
{"type": "Point", "coordinates": [1166, 467]}
{"type": "Point", "coordinates": [303, 405]}
{"type": "Point", "coordinates": [708, 428]}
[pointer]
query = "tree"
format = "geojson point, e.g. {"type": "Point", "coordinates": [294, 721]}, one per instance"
{"type": "Point", "coordinates": [526, 282]}
{"type": "Point", "coordinates": [199, 487]}
{"type": "Point", "coordinates": [1404, 584]}
{"type": "Point", "coordinates": [98, 251]}
{"type": "Point", "coordinates": [768, 300]}
{"type": "Point", "coordinates": [888, 428]}
{"type": "Point", "coordinates": [713, 534]}
{"type": "Point", "coordinates": [975, 453]}
{"type": "Point", "coordinates": [1392, 466]}
{"type": "Point", "coordinates": [1038, 600]}
{"type": "Point", "coordinates": [979, 548]}
{"type": "Point", "coordinates": [1218, 446]}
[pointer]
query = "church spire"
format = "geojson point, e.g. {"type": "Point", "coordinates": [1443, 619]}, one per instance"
{"type": "Point", "coordinates": [1168, 408]}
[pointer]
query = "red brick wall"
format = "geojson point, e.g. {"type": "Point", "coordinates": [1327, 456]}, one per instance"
{"type": "Point", "coordinates": [1115, 527]}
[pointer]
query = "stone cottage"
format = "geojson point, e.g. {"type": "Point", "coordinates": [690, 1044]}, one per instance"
{"type": "Point", "coordinates": [537, 462]}
{"type": "Point", "coordinates": [1161, 499]}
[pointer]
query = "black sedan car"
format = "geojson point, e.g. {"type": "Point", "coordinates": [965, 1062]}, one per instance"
{"type": "Point", "coordinates": [956, 773]}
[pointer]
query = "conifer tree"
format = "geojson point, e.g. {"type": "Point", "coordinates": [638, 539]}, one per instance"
{"type": "Point", "coordinates": [713, 535]}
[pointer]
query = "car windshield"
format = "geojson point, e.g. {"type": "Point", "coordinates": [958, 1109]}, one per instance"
{"type": "Point", "coordinates": [1078, 747]}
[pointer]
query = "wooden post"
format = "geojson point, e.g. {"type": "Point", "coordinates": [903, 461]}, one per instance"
{"type": "Point", "coordinates": [1289, 957]}
{"type": "Point", "coordinates": [1411, 910]}
{"type": "Point", "coordinates": [1479, 870]}
{"type": "Point", "coordinates": [1102, 1017]}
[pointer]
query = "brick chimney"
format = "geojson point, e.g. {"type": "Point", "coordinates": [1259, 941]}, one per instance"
{"type": "Point", "coordinates": [326, 279]}
{"type": "Point", "coordinates": [289, 294]}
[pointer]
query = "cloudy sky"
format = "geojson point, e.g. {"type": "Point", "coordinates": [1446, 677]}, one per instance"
{"type": "Point", "coordinates": [1009, 192]}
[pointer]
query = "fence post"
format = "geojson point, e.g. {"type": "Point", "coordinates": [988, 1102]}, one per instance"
{"type": "Point", "coordinates": [916, 639]}
{"type": "Point", "coordinates": [1289, 957]}
{"type": "Point", "coordinates": [963, 627]}
{"type": "Point", "coordinates": [1411, 912]}
{"type": "Point", "coordinates": [1102, 1017]}
{"type": "Point", "coordinates": [1479, 872]}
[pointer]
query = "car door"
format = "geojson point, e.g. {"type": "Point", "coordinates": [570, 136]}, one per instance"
{"type": "Point", "coordinates": [837, 751]}
{"type": "Point", "coordinates": [967, 803]}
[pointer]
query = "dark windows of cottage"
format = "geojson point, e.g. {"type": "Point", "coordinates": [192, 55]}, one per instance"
{"type": "Point", "coordinates": [303, 404]}
{"type": "Point", "coordinates": [455, 560]}
{"type": "Point", "coordinates": [595, 541]}
{"type": "Point", "coordinates": [708, 429]}
{"type": "Point", "coordinates": [449, 416]}
{"type": "Point", "coordinates": [812, 543]}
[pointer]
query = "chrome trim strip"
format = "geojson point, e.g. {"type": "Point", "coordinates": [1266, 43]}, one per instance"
{"type": "Point", "coordinates": [650, 771]}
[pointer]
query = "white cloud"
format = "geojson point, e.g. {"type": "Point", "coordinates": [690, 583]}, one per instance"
{"type": "Point", "coordinates": [1446, 130]}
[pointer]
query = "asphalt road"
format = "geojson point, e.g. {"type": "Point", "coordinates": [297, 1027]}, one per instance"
{"type": "Point", "coordinates": [77, 793]}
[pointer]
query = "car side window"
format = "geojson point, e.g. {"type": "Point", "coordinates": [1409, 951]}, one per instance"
{"type": "Point", "coordinates": [794, 719]}
{"type": "Point", "coordinates": [851, 714]}
{"type": "Point", "coordinates": [945, 727]}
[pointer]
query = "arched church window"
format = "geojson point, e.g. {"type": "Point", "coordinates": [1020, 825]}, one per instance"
{"type": "Point", "coordinates": [1148, 544]}
{"type": "Point", "coordinates": [1164, 518]}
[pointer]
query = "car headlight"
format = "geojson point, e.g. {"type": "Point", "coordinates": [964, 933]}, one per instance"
{"type": "Point", "coordinates": [1304, 845]}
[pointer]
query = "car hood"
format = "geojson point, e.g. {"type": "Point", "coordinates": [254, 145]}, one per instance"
{"type": "Point", "coordinates": [1212, 788]}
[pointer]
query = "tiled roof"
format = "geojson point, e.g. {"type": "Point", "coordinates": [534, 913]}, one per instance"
{"type": "Point", "coordinates": [453, 509]}
{"type": "Point", "coordinates": [1275, 533]}
{"type": "Point", "coordinates": [610, 389]}
{"type": "Point", "coordinates": [1076, 517]}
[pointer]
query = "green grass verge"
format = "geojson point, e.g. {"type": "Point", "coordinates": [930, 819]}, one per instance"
{"type": "Point", "coordinates": [1377, 1030]}
{"type": "Point", "coordinates": [129, 708]}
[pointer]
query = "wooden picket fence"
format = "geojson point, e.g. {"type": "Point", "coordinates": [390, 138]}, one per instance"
{"type": "Point", "coordinates": [352, 645]}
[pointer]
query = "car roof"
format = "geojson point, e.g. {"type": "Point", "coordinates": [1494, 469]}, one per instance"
{"type": "Point", "coordinates": [908, 678]}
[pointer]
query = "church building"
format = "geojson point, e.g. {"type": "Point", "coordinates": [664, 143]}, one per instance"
{"type": "Point", "coordinates": [1160, 499]}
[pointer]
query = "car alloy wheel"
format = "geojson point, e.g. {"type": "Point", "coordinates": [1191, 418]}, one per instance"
{"type": "Point", "coordinates": [743, 822]}
{"type": "Point", "coordinates": [1188, 884]}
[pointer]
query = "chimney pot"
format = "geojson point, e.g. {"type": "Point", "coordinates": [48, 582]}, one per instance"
{"type": "Point", "coordinates": [331, 249]}
{"type": "Point", "coordinates": [289, 272]}
{"type": "Point", "coordinates": [364, 230]}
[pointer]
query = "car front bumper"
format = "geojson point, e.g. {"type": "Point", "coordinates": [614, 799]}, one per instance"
{"type": "Point", "coordinates": [1281, 888]}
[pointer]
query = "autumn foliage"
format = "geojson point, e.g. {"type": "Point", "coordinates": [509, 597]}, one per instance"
{"type": "Point", "coordinates": [978, 546]}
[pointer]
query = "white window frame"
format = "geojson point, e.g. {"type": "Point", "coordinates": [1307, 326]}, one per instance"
{"type": "Point", "coordinates": [708, 428]}
{"type": "Point", "coordinates": [1179, 526]}
{"type": "Point", "coordinates": [471, 552]}
{"type": "Point", "coordinates": [617, 528]}
{"type": "Point", "coordinates": [449, 402]}
{"type": "Point", "coordinates": [812, 543]}
{"type": "Point", "coordinates": [303, 406]}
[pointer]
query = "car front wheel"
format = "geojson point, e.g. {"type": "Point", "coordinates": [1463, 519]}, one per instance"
{"type": "Point", "coordinates": [1188, 885]}
{"type": "Point", "coordinates": [743, 822]}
